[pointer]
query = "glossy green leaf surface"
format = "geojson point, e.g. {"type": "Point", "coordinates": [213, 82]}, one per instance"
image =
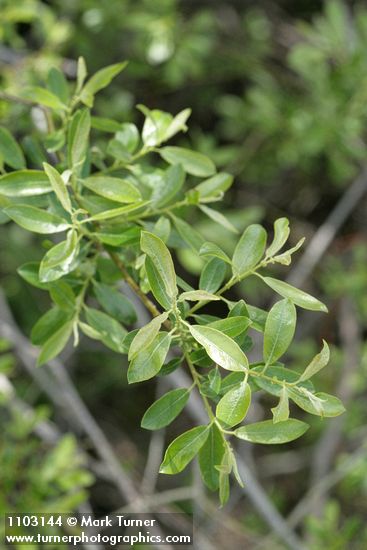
{"type": "Point", "coordinates": [183, 449]}
{"type": "Point", "coordinates": [36, 220]}
{"type": "Point", "coordinates": [268, 433]}
{"type": "Point", "coordinates": [165, 410]}
{"type": "Point", "coordinates": [221, 348]}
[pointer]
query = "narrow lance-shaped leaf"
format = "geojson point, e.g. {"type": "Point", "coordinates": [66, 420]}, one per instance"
{"type": "Point", "coordinates": [10, 150]}
{"type": "Point", "coordinates": [211, 455]}
{"type": "Point", "coordinates": [183, 449]}
{"type": "Point", "coordinates": [215, 185]}
{"type": "Point", "coordinates": [78, 139]}
{"type": "Point", "coordinates": [161, 258]}
{"type": "Point", "coordinates": [106, 329]}
{"type": "Point", "coordinates": [115, 189]}
{"type": "Point", "coordinates": [319, 404]}
{"type": "Point", "coordinates": [192, 162]}
{"type": "Point", "coordinates": [212, 275]}
{"type": "Point", "coordinates": [148, 362]}
{"type": "Point", "coordinates": [59, 259]}
{"type": "Point", "coordinates": [115, 303]}
{"type": "Point", "coordinates": [221, 348]}
{"type": "Point", "coordinates": [213, 250]}
{"type": "Point", "coordinates": [44, 97]}
{"type": "Point", "coordinates": [318, 362]}
{"type": "Point", "coordinates": [268, 433]}
{"type": "Point", "coordinates": [233, 406]}
{"type": "Point", "coordinates": [218, 217]}
{"type": "Point", "coordinates": [281, 234]}
{"type": "Point", "coordinates": [35, 219]}
{"type": "Point", "coordinates": [169, 186]}
{"type": "Point", "coordinates": [100, 80]}
{"type": "Point", "coordinates": [24, 183]}
{"type": "Point", "coordinates": [298, 297]}
{"type": "Point", "coordinates": [279, 330]}
{"type": "Point", "coordinates": [249, 250]}
{"type": "Point", "coordinates": [56, 343]}
{"type": "Point", "coordinates": [146, 335]}
{"type": "Point", "coordinates": [286, 257]}
{"type": "Point", "coordinates": [165, 409]}
{"type": "Point", "coordinates": [198, 295]}
{"type": "Point", "coordinates": [188, 234]}
{"type": "Point", "coordinates": [281, 411]}
{"type": "Point", "coordinates": [58, 186]}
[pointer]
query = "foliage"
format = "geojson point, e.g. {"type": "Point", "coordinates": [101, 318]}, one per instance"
{"type": "Point", "coordinates": [115, 198]}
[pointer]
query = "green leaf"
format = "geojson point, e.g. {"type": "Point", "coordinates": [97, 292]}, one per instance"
{"type": "Point", "coordinates": [318, 362]}
{"type": "Point", "coordinates": [115, 189]}
{"type": "Point", "coordinates": [62, 294]}
{"type": "Point", "coordinates": [192, 162]}
{"type": "Point", "coordinates": [212, 250]}
{"type": "Point", "coordinates": [36, 220]}
{"type": "Point", "coordinates": [269, 433]}
{"type": "Point", "coordinates": [231, 381]}
{"type": "Point", "coordinates": [232, 326]}
{"type": "Point", "coordinates": [275, 376]}
{"type": "Point", "coordinates": [30, 273]}
{"type": "Point", "coordinates": [106, 124]}
{"type": "Point", "coordinates": [183, 449]}
{"type": "Point", "coordinates": [44, 97]}
{"type": "Point", "coordinates": [10, 150]}
{"type": "Point", "coordinates": [286, 257]}
{"type": "Point", "coordinates": [130, 235]}
{"type": "Point", "coordinates": [279, 330]}
{"type": "Point", "coordinates": [111, 332]}
{"type": "Point", "coordinates": [81, 74]}
{"type": "Point", "coordinates": [24, 183]}
{"type": "Point", "coordinates": [211, 455]}
{"type": "Point", "coordinates": [281, 234]}
{"type": "Point", "coordinates": [57, 84]}
{"type": "Point", "coordinates": [165, 409]}
{"type": "Point", "coordinates": [281, 411]}
{"type": "Point", "coordinates": [233, 406]}
{"type": "Point", "coordinates": [298, 297]}
{"type": "Point", "coordinates": [123, 211]}
{"type": "Point", "coordinates": [218, 218]}
{"type": "Point", "coordinates": [156, 284]}
{"type": "Point", "coordinates": [155, 126]}
{"type": "Point", "coordinates": [56, 343]}
{"type": "Point", "coordinates": [59, 260]}
{"type": "Point", "coordinates": [98, 81]}
{"type": "Point", "coordinates": [221, 348]}
{"type": "Point", "coordinates": [168, 187]}
{"type": "Point", "coordinates": [188, 234]}
{"type": "Point", "coordinates": [197, 296]}
{"type": "Point", "coordinates": [178, 124]}
{"type": "Point", "coordinates": [212, 275]}
{"type": "Point", "coordinates": [78, 139]}
{"type": "Point", "coordinates": [258, 317]}
{"type": "Point", "coordinates": [115, 303]}
{"type": "Point", "coordinates": [148, 362]}
{"type": "Point", "coordinates": [58, 186]}
{"type": "Point", "coordinates": [170, 366]}
{"type": "Point", "coordinates": [128, 136]}
{"type": "Point", "coordinates": [319, 404]}
{"type": "Point", "coordinates": [214, 186]}
{"type": "Point", "coordinates": [146, 335]}
{"type": "Point", "coordinates": [48, 324]}
{"type": "Point", "coordinates": [249, 250]}
{"type": "Point", "coordinates": [161, 258]}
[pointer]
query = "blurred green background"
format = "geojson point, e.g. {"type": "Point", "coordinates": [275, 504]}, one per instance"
{"type": "Point", "coordinates": [278, 92]}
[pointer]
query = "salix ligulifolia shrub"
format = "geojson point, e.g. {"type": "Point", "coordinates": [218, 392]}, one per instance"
{"type": "Point", "coordinates": [115, 209]}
